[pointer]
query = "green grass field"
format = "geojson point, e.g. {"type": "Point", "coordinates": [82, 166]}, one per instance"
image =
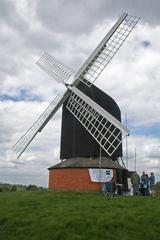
{"type": "Point", "coordinates": [70, 216]}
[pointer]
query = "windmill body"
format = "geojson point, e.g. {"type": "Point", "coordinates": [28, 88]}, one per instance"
{"type": "Point", "coordinates": [76, 142]}
{"type": "Point", "coordinates": [91, 122]}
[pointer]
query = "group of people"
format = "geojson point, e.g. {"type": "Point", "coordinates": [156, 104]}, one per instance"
{"type": "Point", "coordinates": [143, 185]}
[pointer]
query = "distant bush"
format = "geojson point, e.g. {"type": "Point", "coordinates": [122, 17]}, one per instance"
{"type": "Point", "coordinates": [32, 188]}
{"type": "Point", "coordinates": [6, 187]}
{"type": "Point", "coordinates": [13, 188]}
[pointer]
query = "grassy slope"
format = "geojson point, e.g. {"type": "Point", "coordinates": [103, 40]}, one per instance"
{"type": "Point", "coordinates": [71, 216]}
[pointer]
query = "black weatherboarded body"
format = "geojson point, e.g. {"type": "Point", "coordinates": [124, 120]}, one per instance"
{"type": "Point", "coordinates": [75, 139]}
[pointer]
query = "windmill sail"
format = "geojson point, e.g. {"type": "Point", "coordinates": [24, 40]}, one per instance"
{"type": "Point", "coordinates": [107, 48]}
{"type": "Point", "coordinates": [55, 68]}
{"type": "Point", "coordinates": [25, 140]}
{"type": "Point", "coordinates": [105, 129]}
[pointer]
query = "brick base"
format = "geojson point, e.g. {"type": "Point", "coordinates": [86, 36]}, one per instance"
{"type": "Point", "coordinates": [73, 179]}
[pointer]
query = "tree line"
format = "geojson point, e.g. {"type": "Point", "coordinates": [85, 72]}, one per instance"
{"type": "Point", "coordinates": [6, 187]}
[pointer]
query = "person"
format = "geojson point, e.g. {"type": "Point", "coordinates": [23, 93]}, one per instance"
{"type": "Point", "coordinates": [152, 184]}
{"type": "Point", "coordinates": [113, 182]}
{"type": "Point", "coordinates": [146, 185]}
{"type": "Point", "coordinates": [135, 180]}
{"type": "Point", "coordinates": [110, 187]}
{"type": "Point", "coordinates": [142, 183]}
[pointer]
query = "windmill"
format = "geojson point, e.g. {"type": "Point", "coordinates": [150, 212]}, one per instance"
{"type": "Point", "coordinates": [106, 130]}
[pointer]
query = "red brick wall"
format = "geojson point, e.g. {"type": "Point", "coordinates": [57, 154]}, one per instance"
{"type": "Point", "coordinates": [72, 179]}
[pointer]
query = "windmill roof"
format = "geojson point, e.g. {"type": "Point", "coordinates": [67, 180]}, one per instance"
{"type": "Point", "coordinates": [87, 163]}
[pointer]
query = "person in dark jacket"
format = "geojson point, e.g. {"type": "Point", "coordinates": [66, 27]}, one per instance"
{"type": "Point", "coordinates": [142, 183]}
{"type": "Point", "coordinates": [152, 184]}
{"type": "Point", "coordinates": [146, 185]}
{"type": "Point", "coordinates": [135, 180]}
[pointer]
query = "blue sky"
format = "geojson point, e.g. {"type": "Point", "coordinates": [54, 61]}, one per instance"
{"type": "Point", "coordinates": [152, 131]}
{"type": "Point", "coordinates": [23, 95]}
{"type": "Point", "coordinates": [70, 30]}
{"type": "Point", "coordinates": [146, 44]}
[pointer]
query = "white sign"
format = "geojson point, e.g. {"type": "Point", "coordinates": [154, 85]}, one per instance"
{"type": "Point", "coordinates": [100, 175]}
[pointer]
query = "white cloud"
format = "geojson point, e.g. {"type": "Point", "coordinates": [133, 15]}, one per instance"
{"type": "Point", "coordinates": [146, 151]}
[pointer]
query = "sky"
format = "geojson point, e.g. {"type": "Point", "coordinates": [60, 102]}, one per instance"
{"type": "Point", "coordinates": [70, 31]}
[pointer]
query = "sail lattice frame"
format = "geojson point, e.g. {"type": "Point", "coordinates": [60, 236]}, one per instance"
{"type": "Point", "coordinates": [106, 50]}
{"type": "Point", "coordinates": [55, 68]}
{"type": "Point", "coordinates": [25, 140]}
{"type": "Point", "coordinates": [105, 129]}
